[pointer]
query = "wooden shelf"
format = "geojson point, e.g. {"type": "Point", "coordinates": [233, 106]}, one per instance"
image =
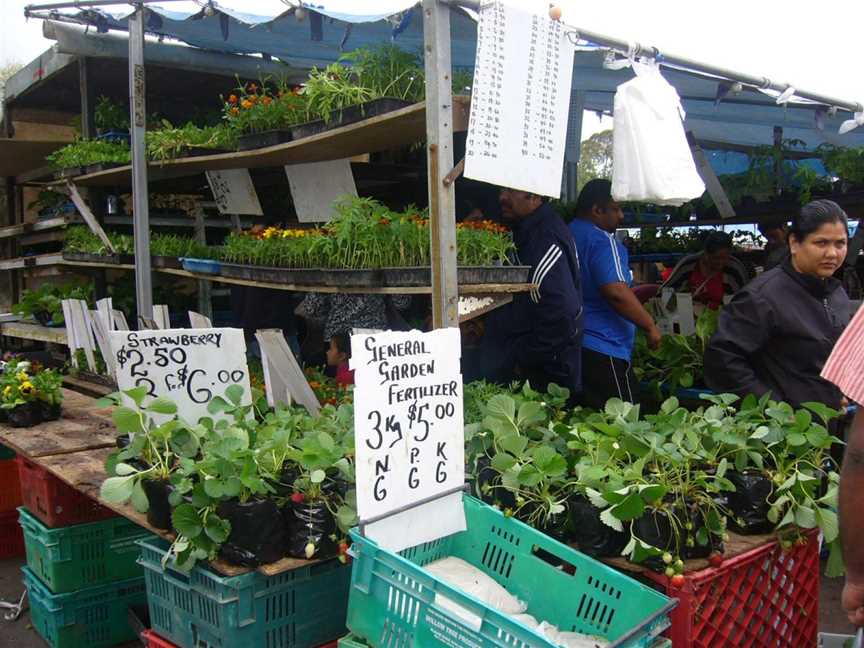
{"type": "Point", "coordinates": [27, 228]}
{"type": "Point", "coordinates": [32, 331]}
{"type": "Point", "coordinates": [392, 130]}
{"type": "Point", "coordinates": [31, 261]}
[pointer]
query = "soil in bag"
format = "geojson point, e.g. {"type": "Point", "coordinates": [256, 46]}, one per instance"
{"type": "Point", "coordinates": [24, 416]}
{"type": "Point", "coordinates": [257, 532]}
{"type": "Point", "coordinates": [594, 538]}
{"type": "Point", "coordinates": [49, 411]}
{"type": "Point", "coordinates": [159, 509]}
{"type": "Point", "coordinates": [748, 503]}
{"type": "Point", "coordinates": [310, 523]}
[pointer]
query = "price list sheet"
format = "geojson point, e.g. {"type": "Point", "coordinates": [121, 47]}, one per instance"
{"type": "Point", "coordinates": [520, 100]}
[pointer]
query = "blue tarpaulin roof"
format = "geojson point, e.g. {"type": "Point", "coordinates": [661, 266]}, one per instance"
{"type": "Point", "coordinates": [324, 29]}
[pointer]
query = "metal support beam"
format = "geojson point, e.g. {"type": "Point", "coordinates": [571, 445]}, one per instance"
{"type": "Point", "coordinates": [205, 301]}
{"type": "Point", "coordinates": [88, 99]}
{"type": "Point", "coordinates": [138, 128]}
{"type": "Point", "coordinates": [573, 148]}
{"type": "Point", "coordinates": [439, 140]}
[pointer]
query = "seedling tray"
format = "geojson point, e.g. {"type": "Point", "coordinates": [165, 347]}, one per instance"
{"type": "Point", "coordinates": [349, 115]}
{"type": "Point", "coordinates": [366, 278]}
{"type": "Point", "coordinates": [85, 257]}
{"type": "Point", "coordinates": [166, 262]}
{"type": "Point", "coordinates": [466, 275]}
{"type": "Point", "coordinates": [95, 617]}
{"type": "Point", "coordinates": [202, 266]}
{"type": "Point", "coordinates": [263, 139]}
{"type": "Point", "coordinates": [83, 555]}
{"type": "Point", "coordinates": [301, 608]}
{"type": "Point", "coordinates": [396, 603]}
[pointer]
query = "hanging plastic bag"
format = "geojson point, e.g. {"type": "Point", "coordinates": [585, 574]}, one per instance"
{"type": "Point", "coordinates": [652, 161]}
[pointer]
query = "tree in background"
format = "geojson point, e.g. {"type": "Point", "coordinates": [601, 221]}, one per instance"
{"type": "Point", "coordinates": [7, 69]}
{"type": "Point", "coordinates": [595, 160]}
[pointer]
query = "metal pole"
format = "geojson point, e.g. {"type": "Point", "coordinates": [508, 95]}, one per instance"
{"type": "Point", "coordinates": [439, 137]}
{"type": "Point", "coordinates": [138, 128]}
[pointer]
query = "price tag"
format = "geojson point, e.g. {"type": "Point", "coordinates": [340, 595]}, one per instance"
{"type": "Point", "coordinates": [409, 436]}
{"type": "Point", "coordinates": [189, 366]}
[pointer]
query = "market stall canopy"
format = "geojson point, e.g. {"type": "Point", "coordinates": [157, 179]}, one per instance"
{"type": "Point", "coordinates": [20, 155]}
{"type": "Point", "coordinates": [301, 37]}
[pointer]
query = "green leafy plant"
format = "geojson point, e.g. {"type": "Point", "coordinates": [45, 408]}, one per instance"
{"type": "Point", "coordinates": [87, 152]}
{"type": "Point", "coordinates": [169, 141]}
{"type": "Point", "coordinates": [45, 302]}
{"type": "Point", "coordinates": [110, 115]}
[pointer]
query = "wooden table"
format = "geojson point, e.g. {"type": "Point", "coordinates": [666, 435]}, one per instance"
{"type": "Point", "coordinates": [74, 450]}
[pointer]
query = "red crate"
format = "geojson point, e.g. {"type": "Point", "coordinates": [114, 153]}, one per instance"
{"type": "Point", "coordinates": [766, 597]}
{"type": "Point", "coordinates": [152, 640]}
{"type": "Point", "coordinates": [10, 486]}
{"type": "Point", "coordinates": [54, 502]}
{"type": "Point", "coordinates": [11, 536]}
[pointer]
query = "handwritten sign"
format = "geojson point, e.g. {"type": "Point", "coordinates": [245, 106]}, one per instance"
{"type": "Point", "coordinates": [519, 101]}
{"type": "Point", "coordinates": [317, 185]}
{"type": "Point", "coordinates": [189, 366]}
{"type": "Point", "coordinates": [234, 192]}
{"type": "Point", "coordinates": [409, 435]}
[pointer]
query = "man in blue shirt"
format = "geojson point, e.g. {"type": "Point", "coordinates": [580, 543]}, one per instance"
{"type": "Point", "coordinates": [612, 311]}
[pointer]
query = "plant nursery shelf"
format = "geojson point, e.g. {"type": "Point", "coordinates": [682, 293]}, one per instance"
{"type": "Point", "coordinates": [85, 472]}
{"type": "Point", "coordinates": [31, 261]}
{"type": "Point", "coordinates": [27, 228]}
{"type": "Point", "coordinates": [392, 130]}
{"type": "Point", "coordinates": [32, 331]}
{"type": "Point", "coordinates": [82, 427]}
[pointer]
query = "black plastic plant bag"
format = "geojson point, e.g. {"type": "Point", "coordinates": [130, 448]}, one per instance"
{"type": "Point", "coordinates": [257, 532]}
{"type": "Point", "coordinates": [592, 536]}
{"type": "Point", "coordinates": [748, 503]}
{"type": "Point", "coordinates": [159, 509]}
{"type": "Point", "coordinates": [310, 522]}
{"type": "Point", "coordinates": [24, 416]}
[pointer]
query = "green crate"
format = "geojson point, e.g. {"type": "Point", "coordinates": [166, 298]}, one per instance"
{"type": "Point", "coordinates": [396, 603]}
{"type": "Point", "coordinates": [83, 555]}
{"type": "Point", "coordinates": [352, 641]}
{"type": "Point", "coordinates": [301, 608]}
{"type": "Point", "coordinates": [6, 453]}
{"type": "Point", "coordinates": [94, 617]}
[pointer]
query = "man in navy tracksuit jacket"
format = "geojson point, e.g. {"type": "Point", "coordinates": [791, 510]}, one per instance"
{"type": "Point", "coordinates": [542, 330]}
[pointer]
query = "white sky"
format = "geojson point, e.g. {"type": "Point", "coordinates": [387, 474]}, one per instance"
{"type": "Point", "coordinates": [814, 46]}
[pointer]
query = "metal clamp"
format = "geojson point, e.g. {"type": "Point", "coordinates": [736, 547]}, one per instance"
{"type": "Point", "coordinates": [15, 609]}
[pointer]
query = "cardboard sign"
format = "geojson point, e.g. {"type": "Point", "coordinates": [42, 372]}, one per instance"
{"type": "Point", "coordinates": [234, 192]}
{"type": "Point", "coordinates": [189, 366]}
{"type": "Point", "coordinates": [520, 100]}
{"type": "Point", "coordinates": [284, 380]}
{"type": "Point", "coordinates": [197, 320]}
{"type": "Point", "coordinates": [316, 186]}
{"type": "Point", "coordinates": [409, 435]}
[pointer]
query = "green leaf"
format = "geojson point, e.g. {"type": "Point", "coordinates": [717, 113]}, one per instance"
{"type": "Point", "coordinates": [214, 488]}
{"type": "Point", "coordinates": [139, 498]}
{"type": "Point", "coordinates": [126, 420]}
{"type": "Point", "coordinates": [702, 536]}
{"type": "Point", "coordinates": [124, 470]}
{"type": "Point", "coordinates": [828, 523]}
{"type": "Point", "coordinates": [610, 520]}
{"type": "Point", "coordinates": [234, 393]}
{"type": "Point", "coordinates": [686, 380]}
{"type": "Point", "coordinates": [217, 529]}
{"type": "Point", "coordinates": [117, 490]}
{"type": "Point", "coordinates": [796, 439]}
{"type": "Point", "coordinates": [721, 468]}
{"type": "Point", "coordinates": [111, 462]}
{"type": "Point", "coordinates": [835, 566]}
{"type": "Point", "coordinates": [515, 444]}
{"type": "Point", "coordinates": [549, 461]}
{"type": "Point", "coordinates": [326, 441]}
{"type": "Point", "coordinates": [217, 405]}
{"type": "Point", "coordinates": [669, 405]}
{"type": "Point", "coordinates": [186, 521]}
{"type": "Point", "coordinates": [317, 476]}
{"type": "Point", "coordinates": [346, 518]}
{"type": "Point", "coordinates": [803, 419]}
{"type": "Point", "coordinates": [652, 493]}
{"type": "Point", "coordinates": [822, 411]}
{"type": "Point", "coordinates": [162, 405]}
{"type": "Point", "coordinates": [185, 443]}
{"type": "Point", "coordinates": [502, 406]}
{"type": "Point", "coordinates": [805, 517]}
{"type": "Point", "coordinates": [502, 462]}
{"type": "Point", "coordinates": [529, 476]}
{"type": "Point", "coordinates": [137, 394]}
{"type": "Point", "coordinates": [631, 508]}
{"type": "Point", "coordinates": [530, 412]}
{"type": "Point", "coordinates": [616, 407]}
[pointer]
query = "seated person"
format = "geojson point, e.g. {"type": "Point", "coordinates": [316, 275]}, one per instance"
{"type": "Point", "coordinates": [710, 275]}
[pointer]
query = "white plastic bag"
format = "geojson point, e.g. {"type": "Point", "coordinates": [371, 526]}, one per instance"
{"type": "Point", "coordinates": [464, 576]}
{"type": "Point", "coordinates": [652, 161]}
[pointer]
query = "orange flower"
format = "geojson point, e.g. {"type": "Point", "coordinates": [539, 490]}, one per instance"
{"type": "Point", "coordinates": [232, 99]}
{"type": "Point", "coordinates": [384, 221]}
{"type": "Point", "coordinates": [235, 111]}
{"type": "Point", "coordinates": [246, 104]}
{"type": "Point", "coordinates": [253, 87]}
{"type": "Point", "coordinates": [267, 101]}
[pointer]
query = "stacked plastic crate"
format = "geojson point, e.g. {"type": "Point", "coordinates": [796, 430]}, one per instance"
{"type": "Point", "coordinates": [82, 574]}
{"type": "Point", "coordinates": [11, 538]}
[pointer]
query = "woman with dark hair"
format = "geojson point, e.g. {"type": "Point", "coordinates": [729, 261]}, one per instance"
{"type": "Point", "coordinates": [778, 331]}
{"type": "Point", "coordinates": [710, 275]}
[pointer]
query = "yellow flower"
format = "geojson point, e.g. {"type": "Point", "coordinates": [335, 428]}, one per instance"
{"type": "Point", "coordinates": [7, 390]}
{"type": "Point", "coordinates": [22, 376]}
{"type": "Point", "coordinates": [27, 388]}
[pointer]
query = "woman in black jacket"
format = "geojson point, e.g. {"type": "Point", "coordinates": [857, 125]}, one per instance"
{"type": "Point", "coordinates": [778, 331]}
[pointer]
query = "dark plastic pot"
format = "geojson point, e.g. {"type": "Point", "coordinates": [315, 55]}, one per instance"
{"type": "Point", "coordinates": [655, 528]}
{"type": "Point", "coordinates": [310, 522]}
{"type": "Point", "coordinates": [50, 412]}
{"type": "Point", "coordinates": [257, 532]}
{"type": "Point", "coordinates": [591, 535]}
{"type": "Point", "coordinates": [302, 276]}
{"type": "Point", "coordinates": [465, 275]}
{"type": "Point", "coordinates": [697, 519]}
{"type": "Point", "coordinates": [159, 512]}
{"type": "Point", "coordinates": [264, 139]}
{"type": "Point", "coordinates": [84, 257]}
{"type": "Point", "coordinates": [199, 151]}
{"type": "Point", "coordinates": [748, 504]}
{"type": "Point", "coordinates": [43, 317]}
{"type": "Point", "coordinates": [349, 115]}
{"type": "Point", "coordinates": [166, 262]}
{"type": "Point", "coordinates": [24, 416]}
